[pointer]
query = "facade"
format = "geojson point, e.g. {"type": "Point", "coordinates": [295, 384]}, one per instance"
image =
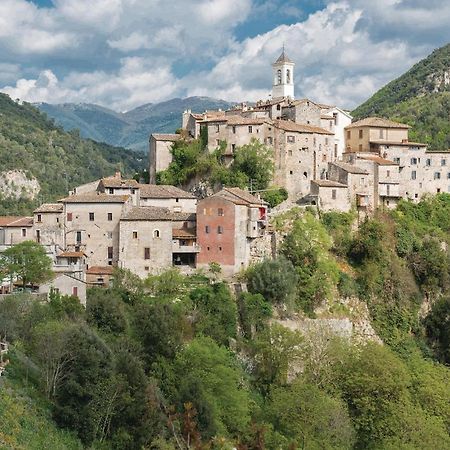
{"type": "Point", "coordinates": [171, 197]}
{"type": "Point", "coordinates": [160, 155]}
{"type": "Point", "coordinates": [227, 223]}
{"type": "Point", "coordinates": [66, 284]}
{"type": "Point", "coordinates": [330, 195]}
{"type": "Point", "coordinates": [14, 230]}
{"type": "Point", "coordinates": [48, 225]}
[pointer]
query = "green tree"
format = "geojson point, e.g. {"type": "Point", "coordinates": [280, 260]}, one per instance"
{"type": "Point", "coordinates": [275, 279]}
{"type": "Point", "coordinates": [215, 312]}
{"type": "Point", "coordinates": [28, 262]}
{"type": "Point", "coordinates": [254, 313]}
{"type": "Point", "coordinates": [437, 326]}
{"type": "Point", "coordinates": [309, 418]}
{"type": "Point", "coordinates": [275, 196]}
{"type": "Point", "coordinates": [210, 378]}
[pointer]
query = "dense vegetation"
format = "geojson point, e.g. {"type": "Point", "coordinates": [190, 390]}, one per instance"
{"type": "Point", "coordinates": [59, 160]}
{"type": "Point", "coordinates": [251, 168]}
{"type": "Point", "coordinates": [176, 362]}
{"type": "Point", "coordinates": [129, 129]}
{"type": "Point", "coordinates": [420, 98]}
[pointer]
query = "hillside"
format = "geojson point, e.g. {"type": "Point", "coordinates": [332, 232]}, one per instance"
{"type": "Point", "coordinates": [58, 160]}
{"type": "Point", "coordinates": [130, 129]}
{"type": "Point", "coordinates": [191, 362]}
{"type": "Point", "coordinates": [420, 98]}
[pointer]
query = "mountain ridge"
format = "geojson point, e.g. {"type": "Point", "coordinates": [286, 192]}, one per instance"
{"type": "Point", "coordinates": [420, 98]}
{"type": "Point", "coordinates": [129, 129]}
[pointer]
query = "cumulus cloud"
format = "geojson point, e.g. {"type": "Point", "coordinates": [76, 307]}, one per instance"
{"type": "Point", "coordinates": [123, 53]}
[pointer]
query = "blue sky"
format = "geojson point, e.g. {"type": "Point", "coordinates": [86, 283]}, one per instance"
{"type": "Point", "coordinates": [124, 53]}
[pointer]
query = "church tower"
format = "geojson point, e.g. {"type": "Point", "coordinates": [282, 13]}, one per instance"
{"type": "Point", "coordinates": [283, 77]}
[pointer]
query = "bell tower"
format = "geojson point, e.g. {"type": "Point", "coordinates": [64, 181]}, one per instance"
{"type": "Point", "coordinates": [283, 77]}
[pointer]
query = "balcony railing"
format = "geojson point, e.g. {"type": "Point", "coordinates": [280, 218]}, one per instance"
{"type": "Point", "coordinates": [177, 248]}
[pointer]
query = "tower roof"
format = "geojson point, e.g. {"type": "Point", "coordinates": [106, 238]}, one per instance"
{"type": "Point", "coordinates": [283, 58]}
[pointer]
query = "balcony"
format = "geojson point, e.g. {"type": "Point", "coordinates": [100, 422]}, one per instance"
{"type": "Point", "coordinates": [179, 248]}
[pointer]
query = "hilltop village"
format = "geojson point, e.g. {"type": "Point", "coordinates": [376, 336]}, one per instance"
{"type": "Point", "coordinates": [321, 158]}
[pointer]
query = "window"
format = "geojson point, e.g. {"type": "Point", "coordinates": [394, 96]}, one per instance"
{"type": "Point", "coordinates": [177, 200]}
{"type": "Point", "coordinates": [269, 140]}
{"type": "Point", "coordinates": [110, 216]}
{"type": "Point", "coordinates": [397, 160]}
{"type": "Point", "coordinates": [443, 162]}
{"type": "Point", "coordinates": [206, 229]}
{"type": "Point", "coordinates": [91, 216]}
{"type": "Point", "coordinates": [279, 76]}
{"type": "Point", "coordinates": [220, 249]}
{"type": "Point", "coordinates": [413, 161]}
{"type": "Point", "coordinates": [305, 174]}
{"type": "Point", "coordinates": [220, 212]}
{"type": "Point", "coordinates": [428, 162]}
{"type": "Point", "coordinates": [291, 138]}
{"type": "Point", "coordinates": [75, 291]}
{"type": "Point", "coordinates": [291, 172]}
{"type": "Point", "coordinates": [38, 236]}
{"type": "Point", "coordinates": [288, 76]}
{"type": "Point", "coordinates": [437, 175]}
{"type": "Point", "coordinates": [111, 190]}
{"type": "Point", "coordinates": [250, 129]}
{"type": "Point", "coordinates": [381, 134]}
{"type": "Point", "coordinates": [110, 252]}
{"type": "Point", "coordinates": [78, 237]}
{"type": "Point", "coordinates": [39, 218]}
{"type": "Point", "coordinates": [388, 173]}
{"type": "Point", "coordinates": [388, 190]}
{"type": "Point", "coordinates": [335, 150]}
{"type": "Point", "coordinates": [133, 191]}
{"type": "Point", "coordinates": [234, 129]}
{"type": "Point", "coordinates": [24, 232]}
{"type": "Point", "coordinates": [146, 252]}
{"type": "Point", "coordinates": [278, 107]}
{"type": "Point", "coordinates": [413, 175]}
{"type": "Point", "coordinates": [360, 134]}
{"type": "Point", "coordinates": [135, 234]}
{"type": "Point", "coordinates": [324, 157]}
{"type": "Point", "coordinates": [233, 148]}
{"type": "Point", "coordinates": [349, 134]}
{"type": "Point", "coordinates": [156, 234]}
{"type": "Point", "coordinates": [69, 217]}
{"type": "Point", "coordinates": [361, 181]}
{"type": "Point", "coordinates": [146, 268]}
{"type": "Point", "coordinates": [326, 141]}
{"type": "Point", "coordinates": [314, 141]}
{"type": "Point", "coordinates": [290, 152]}
{"type": "Point", "coordinates": [217, 142]}
{"type": "Point", "coordinates": [448, 176]}
{"type": "Point", "coordinates": [333, 194]}
{"type": "Point", "coordinates": [438, 190]}
{"type": "Point", "coordinates": [219, 229]}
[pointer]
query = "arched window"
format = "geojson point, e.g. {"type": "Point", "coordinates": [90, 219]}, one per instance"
{"type": "Point", "coordinates": [288, 76]}
{"type": "Point", "coordinates": [156, 233]}
{"type": "Point", "coordinates": [279, 76]}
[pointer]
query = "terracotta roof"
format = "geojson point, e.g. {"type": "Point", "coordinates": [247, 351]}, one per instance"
{"type": "Point", "coordinates": [288, 125]}
{"type": "Point", "coordinates": [163, 191]}
{"type": "Point", "coordinates": [116, 182]}
{"type": "Point", "coordinates": [16, 221]}
{"type": "Point", "coordinates": [239, 196]}
{"type": "Point", "coordinates": [283, 58]}
{"type": "Point", "coordinates": [148, 213]}
{"type": "Point", "coordinates": [49, 208]}
{"type": "Point", "coordinates": [197, 116]}
{"type": "Point", "coordinates": [377, 122]}
{"type": "Point", "coordinates": [95, 198]}
{"type": "Point", "coordinates": [165, 137]}
{"type": "Point", "coordinates": [350, 168]}
{"type": "Point", "coordinates": [379, 160]}
{"type": "Point", "coordinates": [71, 255]}
{"type": "Point", "coordinates": [100, 270]}
{"type": "Point", "coordinates": [184, 233]}
{"type": "Point", "coordinates": [329, 183]}
{"type": "Point", "coordinates": [399, 143]}
{"type": "Point", "coordinates": [184, 217]}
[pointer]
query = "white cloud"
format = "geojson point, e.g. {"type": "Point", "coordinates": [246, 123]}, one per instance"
{"type": "Point", "coordinates": [123, 53]}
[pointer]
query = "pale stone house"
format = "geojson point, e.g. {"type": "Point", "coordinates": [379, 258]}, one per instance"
{"type": "Point", "coordinates": [91, 225]}
{"type": "Point", "coordinates": [166, 196]}
{"type": "Point", "coordinates": [48, 225]}
{"type": "Point", "coordinates": [14, 230]}
{"type": "Point", "coordinates": [330, 195]}
{"type": "Point", "coordinates": [159, 153]}
{"type": "Point", "coordinates": [66, 284]}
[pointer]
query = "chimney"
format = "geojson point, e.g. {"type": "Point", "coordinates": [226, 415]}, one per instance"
{"type": "Point", "coordinates": [404, 141]}
{"type": "Point", "coordinates": [118, 174]}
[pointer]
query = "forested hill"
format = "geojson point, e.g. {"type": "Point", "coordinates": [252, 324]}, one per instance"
{"type": "Point", "coordinates": [130, 129]}
{"type": "Point", "coordinates": [59, 160]}
{"type": "Point", "coordinates": [420, 98]}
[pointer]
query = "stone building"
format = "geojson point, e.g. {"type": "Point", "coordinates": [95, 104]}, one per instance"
{"type": "Point", "coordinates": [91, 225]}
{"type": "Point", "coordinates": [160, 155]}
{"type": "Point", "coordinates": [48, 225]}
{"type": "Point", "coordinates": [330, 195]}
{"type": "Point", "coordinates": [166, 196]}
{"type": "Point", "coordinates": [65, 284]}
{"type": "Point", "coordinates": [14, 230]}
{"type": "Point", "coordinates": [227, 223]}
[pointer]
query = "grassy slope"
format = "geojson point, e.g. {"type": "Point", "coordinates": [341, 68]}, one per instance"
{"type": "Point", "coordinates": [58, 159]}
{"type": "Point", "coordinates": [417, 99]}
